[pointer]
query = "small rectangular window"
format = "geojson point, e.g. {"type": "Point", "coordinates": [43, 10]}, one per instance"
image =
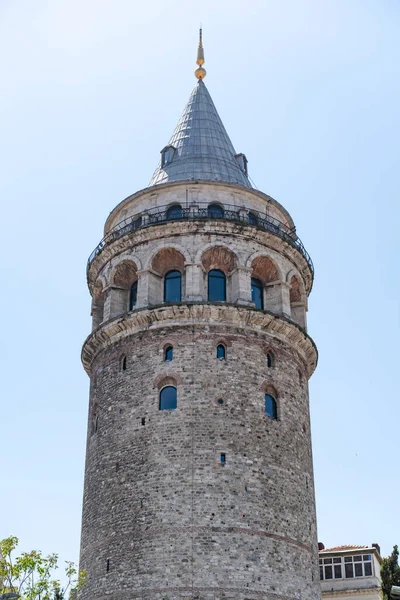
{"type": "Point", "coordinates": [321, 573]}
{"type": "Point", "coordinates": [368, 569]}
{"type": "Point", "coordinates": [327, 561]}
{"type": "Point", "coordinates": [338, 571]}
{"type": "Point", "coordinates": [358, 569]}
{"type": "Point", "coordinates": [328, 572]}
{"type": "Point", "coordinates": [337, 560]}
{"type": "Point", "coordinates": [349, 570]}
{"type": "Point", "coordinates": [223, 458]}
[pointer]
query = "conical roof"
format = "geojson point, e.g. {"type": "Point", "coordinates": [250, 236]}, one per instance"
{"type": "Point", "coordinates": [203, 150]}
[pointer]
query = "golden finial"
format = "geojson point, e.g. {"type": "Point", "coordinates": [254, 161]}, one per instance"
{"type": "Point", "coordinates": [200, 72]}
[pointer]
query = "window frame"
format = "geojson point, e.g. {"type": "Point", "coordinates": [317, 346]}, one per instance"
{"type": "Point", "coordinates": [274, 416]}
{"type": "Point", "coordinates": [220, 345]}
{"type": "Point", "coordinates": [165, 387]}
{"type": "Point", "coordinates": [257, 284]}
{"type": "Point", "coordinates": [219, 211]}
{"type": "Point", "coordinates": [216, 277]}
{"type": "Point", "coordinates": [344, 561]}
{"type": "Point", "coordinates": [169, 277]}
{"type": "Point", "coordinates": [174, 212]}
{"type": "Point", "coordinates": [166, 350]}
{"type": "Point", "coordinates": [133, 292]}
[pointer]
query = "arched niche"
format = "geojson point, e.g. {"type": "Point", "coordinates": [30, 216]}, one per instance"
{"type": "Point", "coordinates": [122, 294]}
{"type": "Point", "coordinates": [265, 271]}
{"type": "Point", "coordinates": [218, 262]}
{"type": "Point", "coordinates": [165, 262]}
{"type": "Point", "coordinates": [297, 301]}
{"type": "Point", "coordinates": [97, 305]}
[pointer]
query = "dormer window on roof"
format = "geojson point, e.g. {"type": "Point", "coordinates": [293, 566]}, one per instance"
{"type": "Point", "coordinates": [242, 161]}
{"type": "Point", "coordinates": [167, 154]}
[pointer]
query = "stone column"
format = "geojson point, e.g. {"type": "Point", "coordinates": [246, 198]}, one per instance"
{"type": "Point", "coordinates": [194, 283]}
{"type": "Point", "coordinates": [276, 298]}
{"type": "Point", "coordinates": [116, 302]}
{"type": "Point", "coordinates": [149, 288]}
{"type": "Point", "coordinates": [241, 286]}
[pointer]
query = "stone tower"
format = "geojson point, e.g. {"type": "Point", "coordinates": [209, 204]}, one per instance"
{"type": "Point", "coordinates": [199, 476]}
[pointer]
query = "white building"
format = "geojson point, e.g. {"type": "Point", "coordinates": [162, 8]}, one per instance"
{"type": "Point", "coordinates": [350, 572]}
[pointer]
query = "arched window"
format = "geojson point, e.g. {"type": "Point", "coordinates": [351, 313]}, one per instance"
{"type": "Point", "coordinates": [216, 286]}
{"type": "Point", "coordinates": [253, 220]}
{"type": "Point", "coordinates": [133, 295]}
{"type": "Point", "coordinates": [168, 353]}
{"type": "Point", "coordinates": [257, 293]}
{"type": "Point", "coordinates": [221, 351]}
{"type": "Point", "coordinates": [270, 360]}
{"type": "Point", "coordinates": [174, 212]}
{"type": "Point", "coordinates": [270, 406]}
{"type": "Point", "coordinates": [172, 286]}
{"type": "Point", "coordinates": [215, 211]}
{"type": "Point", "coordinates": [168, 398]}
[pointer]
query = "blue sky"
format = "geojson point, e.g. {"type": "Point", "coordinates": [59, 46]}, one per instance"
{"type": "Point", "coordinates": [90, 92]}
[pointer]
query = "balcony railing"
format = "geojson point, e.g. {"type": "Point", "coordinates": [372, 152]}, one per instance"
{"type": "Point", "coordinates": [202, 212]}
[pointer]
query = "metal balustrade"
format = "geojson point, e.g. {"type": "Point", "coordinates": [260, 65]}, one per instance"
{"type": "Point", "coordinates": [202, 212]}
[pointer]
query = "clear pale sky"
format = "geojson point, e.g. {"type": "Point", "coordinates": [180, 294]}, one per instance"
{"type": "Point", "coordinates": [90, 93]}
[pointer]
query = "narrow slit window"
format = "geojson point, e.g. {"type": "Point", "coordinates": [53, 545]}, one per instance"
{"type": "Point", "coordinates": [223, 458]}
{"type": "Point", "coordinates": [169, 353]}
{"type": "Point", "coordinates": [270, 360]}
{"type": "Point", "coordinates": [221, 352]}
{"type": "Point", "coordinates": [257, 293]}
{"type": "Point", "coordinates": [133, 295]}
{"type": "Point", "coordinates": [124, 363]}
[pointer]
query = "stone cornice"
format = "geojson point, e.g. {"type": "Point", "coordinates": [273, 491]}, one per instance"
{"type": "Point", "coordinates": [187, 314]}
{"type": "Point", "coordinates": [182, 228]}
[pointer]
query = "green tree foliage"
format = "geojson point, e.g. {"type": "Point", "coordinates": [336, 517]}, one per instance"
{"type": "Point", "coordinates": [31, 575]}
{"type": "Point", "coordinates": [390, 572]}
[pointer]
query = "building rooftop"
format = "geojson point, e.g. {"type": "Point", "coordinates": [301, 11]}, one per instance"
{"type": "Point", "coordinates": [200, 148]}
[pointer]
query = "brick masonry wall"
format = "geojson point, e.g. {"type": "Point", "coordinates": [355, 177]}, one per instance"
{"type": "Point", "coordinates": [172, 522]}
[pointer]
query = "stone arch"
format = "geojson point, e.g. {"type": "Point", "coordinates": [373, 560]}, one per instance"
{"type": "Point", "coordinates": [217, 256]}
{"type": "Point", "coordinates": [162, 246]}
{"type": "Point", "coordinates": [168, 259]}
{"type": "Point", "coordinates": [265, 254]}
{"type": "Point", "coordinates": [124, 274]}
{"type": "Point", "coordinates": [123, 287]}
{"type": "Point", "coordinates": [124, 256]}
{"type": "Point", "coordinates": [265, 269]}
{"type": "Point", "coordinates": [165, 379]}
{"type": "Point", "coordinates": [98, 304]}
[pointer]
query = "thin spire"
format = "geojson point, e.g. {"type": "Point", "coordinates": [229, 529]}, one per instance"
{"type": "Point", "coordinates": [200, 73]}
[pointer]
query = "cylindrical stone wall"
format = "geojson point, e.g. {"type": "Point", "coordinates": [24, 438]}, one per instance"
{"type": "Point", "coordinates": [163, 518]}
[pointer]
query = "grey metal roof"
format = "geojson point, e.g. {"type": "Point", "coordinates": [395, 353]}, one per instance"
{"type": "Point", "coordinates": [203, 148]}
